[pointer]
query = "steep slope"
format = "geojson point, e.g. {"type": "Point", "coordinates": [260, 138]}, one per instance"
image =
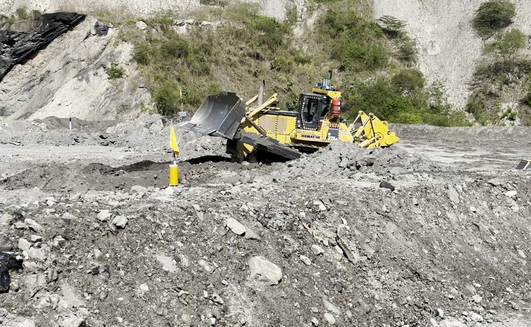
{"type": "Point", "coordinates": [72, 76]}
{"type": "Point", "coordinates": [448, 46]}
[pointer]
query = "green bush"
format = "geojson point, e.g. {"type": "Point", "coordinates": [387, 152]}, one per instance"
{"type": "Point", "coordinates": [492, 16]}
{"type": "Point", "coordinates": [408, 80]}
{"type": "Point", "coordinates": [181, 70]}
{"type": "Point", "coordinates": [114, 71]}
{"type": "Point", "coordinates": [401, 98]}
{"type": "Point", "coordinates": [527, 99]}
{"type": "Point", "coordinates": [355, 43]}
{"type": "Point", "coordinates": [167, 99]}
{"type": "Point", "coordinates": [301, 60]}
{"type": "Point", "coordinates": [503, 72]}
{"type": "Point", "coordinates": [174, 48]}
{"type": "Point", "coordinates": [35, 14]}
{"type": "Point", "coordinates": [142, 53]}
{"type": "Point", "coordinates": [162, 20]}
{"type": "Point", "coordinates": [477, 106]}
{"type": "Point", "coordinates": [407, 51]}
{"type": "Point", "coordinates": [266, 32]}
{"type": "Point", "coordinates": [507, 44]}
{"type": "Point", "coordinates": [22, 13]}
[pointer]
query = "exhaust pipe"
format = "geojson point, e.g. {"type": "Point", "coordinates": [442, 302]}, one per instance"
{"type": "Point", "coordinates": [261, 94]}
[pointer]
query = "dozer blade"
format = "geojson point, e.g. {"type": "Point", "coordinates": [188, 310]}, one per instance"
{"type": "Point", "coordinates": [219, 115]}
{"type": "Point", "coordinates": [269, 144]}
{"type": "Point", "coordinates": [524, 164]}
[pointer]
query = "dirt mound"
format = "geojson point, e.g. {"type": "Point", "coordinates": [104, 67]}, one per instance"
{"type": "Point", "coordinates": [314, 241]}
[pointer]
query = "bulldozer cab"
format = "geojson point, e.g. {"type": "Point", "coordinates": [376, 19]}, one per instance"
{"type": "Point", "coordinates": [312, 108]}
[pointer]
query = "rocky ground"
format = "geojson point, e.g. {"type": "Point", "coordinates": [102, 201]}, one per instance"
{"type": "Point", "coordinates": [312, 242]}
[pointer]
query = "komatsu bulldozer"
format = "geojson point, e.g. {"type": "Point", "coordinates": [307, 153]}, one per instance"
{"type": "Point", "coordinates": [260, 127]}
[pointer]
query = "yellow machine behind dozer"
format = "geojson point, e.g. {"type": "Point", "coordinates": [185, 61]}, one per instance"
{"type": "Point", "coordinates": [261, 127]}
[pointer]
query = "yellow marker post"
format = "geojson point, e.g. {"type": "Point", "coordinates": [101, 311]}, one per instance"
{"type": "Point", "coordinates": [174, 169]}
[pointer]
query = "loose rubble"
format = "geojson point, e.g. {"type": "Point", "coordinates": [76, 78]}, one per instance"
{"type": "Point", "coordinates": [311, 242]}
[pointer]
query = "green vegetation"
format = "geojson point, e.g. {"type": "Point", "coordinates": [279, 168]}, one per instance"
{"type": "Point", "coordinates": [21, 15]}
{"type": "Point", "coordinates": [492, 16]}
{"type": "Point", "coordinates": [402, 98]}
{"type": "Point", "coordinates": [114, 71]}
{"type": "Point", "coordinates": [181, 69]}
{"type": "Point", "coordinates": [493, 78]}
{"type": "Point", "coordinates": [356, 43]}
{"type": "Point", "coordinates": [502, 71]}
{"type": "Point", "coordinates": [394, 29]}
{"type": "Point", "coordinates": [507, 44]}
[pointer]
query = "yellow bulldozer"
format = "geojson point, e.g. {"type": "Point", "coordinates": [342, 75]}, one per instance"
{"type": "Point", "coordinates": [257, 127]}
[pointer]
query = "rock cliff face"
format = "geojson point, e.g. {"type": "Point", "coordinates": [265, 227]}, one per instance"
{"type": "Point", "coordinates": [17, 47]}
{"type": "Point", "coordinates": [76, 64]}
{"type": "Point", "coordinates": [448, 46]}
{"type": "Point", "coordinates": [70, 77]}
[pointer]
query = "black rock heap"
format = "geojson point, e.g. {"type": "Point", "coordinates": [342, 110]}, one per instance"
{"type": "Point", "coordinates": [17, 47]}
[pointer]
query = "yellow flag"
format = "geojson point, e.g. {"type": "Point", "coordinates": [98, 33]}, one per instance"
{"type": "Point", "coordinates": [173, 141]}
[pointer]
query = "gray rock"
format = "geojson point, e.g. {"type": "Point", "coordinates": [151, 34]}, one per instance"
{"type": "Point", "coordinates": [141, 25]}
{"type": "Point", "coordinates": [451, 322]}
{"type": "Point", "coordinates": [36, 254]}
{"type": "Point", "coordinates": [440, 313]}
{"type": "Point", "coordinates": [6, 219]}
{"type": "Point", "coordinates": [120, 221]}
{"type": "Point", "coordinates": [320, 205]}
{"type": "Point", "coordinates": [73, 321]}
{"type": "Point", "coordinates": [235, 226]}
{"type": "Point", "coordinates": [104, 215]}
{"type": "Point", "coordinates": [453, 195]}
{"type": "Point", "coordinates": [27, 323]}
{"type": "Point", "coordinates": [23, 244]}
{"type": "Point", "coordinates": [306, 260]}
{"type": "Point", "coordinates": [208, 267]}
{"type": "Point", "coordinates": [331, 307]}
{"type": "Point", "coordinates": [476, 298]}
{"type": "Point", "coordinates": [497, 182]}
{"type": "Point", "coordinates": [314, 321]}
{"type": "Point", "coordinates": [251, 235]}
{"type": "Point", "coordinates": [33, 225]}
{"type": "Point", "coordinates": [329, 318]}
{"type": "Point", "coordinates": [59, 241]}
{"type": "Point", "coordinates": [264, 270]}
{"type": "Point", "coordinates": [217, 299]}
{"type": "Point", "coordinates": [35, 238]}
{"type": "Point", "coordinates": [348, 244]}
{"type": "Point", "coordinates": [5, 243]}
{"type": "Point", "coordinates": [317, 250]}
{"type": "Point", "coordinates": [510, 194]}
{"type": "Point", "coordinates": [138, 189]}
{"type": "Point", "coordinates": [476, 317]}
{"type": "Point", "coordinates": [168, 263]}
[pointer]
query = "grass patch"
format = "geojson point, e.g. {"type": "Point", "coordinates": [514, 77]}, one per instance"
{"type": "Point", "coordinates": [115, 72]}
